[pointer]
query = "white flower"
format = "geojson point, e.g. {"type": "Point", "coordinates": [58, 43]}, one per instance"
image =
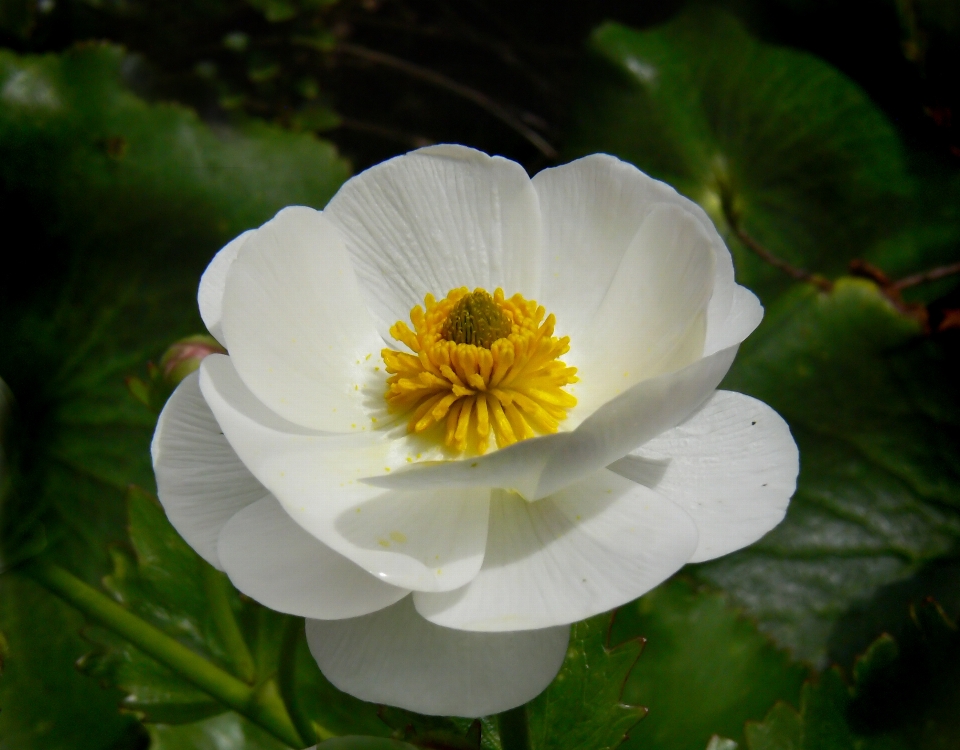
{"type": "Point", "coordinates": [436, 576]}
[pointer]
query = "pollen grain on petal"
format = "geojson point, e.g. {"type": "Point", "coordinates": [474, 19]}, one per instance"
{"type": "Point", "coordinates": [479, 364]}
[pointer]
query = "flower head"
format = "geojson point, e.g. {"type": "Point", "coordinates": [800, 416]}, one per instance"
{"type": "Point", "coordinates": [462, 409]}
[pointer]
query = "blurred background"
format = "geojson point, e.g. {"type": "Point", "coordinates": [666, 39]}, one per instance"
{"type": "Point", "coordinates": [823, 137]}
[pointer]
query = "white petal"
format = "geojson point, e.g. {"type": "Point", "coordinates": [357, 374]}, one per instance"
{"type": "Point", "coordinates": [732, 466]}
{"type": "Point", "coordinates": [271, 559]}
{"type": "Point", "coordinates": [296, 328]}
{"type": "Point", "coordinates": [540, 466]}
{"type": "Point", "coordinates": [212, 284]}
{"type": "Point", "coordinates": [584, 550]}
{"type": "Point", "coordinates": [591, 209]}
{"type": "Point", "coordinates": [652, 319]}
{"type": "Point", "coordinates": [201, 481]}
{"type": "Point", "coordinates": [396, 657]}
{"type": "Point", "coordinates": [424, 540]}
{"type": "Point", "coordinates": [738, 320]}
{"type": "Point", "coordinates": [437, 219]}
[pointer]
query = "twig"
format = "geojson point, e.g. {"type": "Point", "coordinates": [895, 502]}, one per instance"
{"type": "Point", "coordinates": [934, 274]}
{"type": "Point", "coordinates": [408, 139]}
{"type": "Point", "coordinates": [441, 81]}
{"type": "Point", "coordinates": [799, 274]}
{"type": "Point", "coordinates": [503, 52]}
{"type": "Point", "coordinates": [890, 290]}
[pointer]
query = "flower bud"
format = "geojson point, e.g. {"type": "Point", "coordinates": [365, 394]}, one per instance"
{"type": "Point", "coordinates": [184, 356]}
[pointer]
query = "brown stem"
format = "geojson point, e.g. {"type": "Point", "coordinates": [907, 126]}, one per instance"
{"type": "Point", "coordinates": [799, 274]}
{"type": "Point", "coordinates": [441, 81]}
{"type": "Point", "coordinates": [408, 139]}
{"type": "Point", "coordinates": [934, 274]}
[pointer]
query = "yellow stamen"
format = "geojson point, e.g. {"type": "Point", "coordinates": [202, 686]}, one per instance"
{"type": "Point", "coordinates": [481, 364]}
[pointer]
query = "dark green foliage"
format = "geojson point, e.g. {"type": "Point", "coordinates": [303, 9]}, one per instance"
{"type": "Point", "coordinates": [773, 137]}
{"type": "Point", "coordinates": [113, 205]}
{"type": "Point", "coordinates": [116, 205]}
{"type": "Point", "coordinates": [699, 652]}
{"type": "Point", "coordinates": [904, 696]}
{"type": "Point", "coordinates": [876, 419]}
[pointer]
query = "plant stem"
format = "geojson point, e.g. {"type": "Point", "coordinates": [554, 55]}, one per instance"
{"type": "Point", "coordinates": [441, 81]}
{"type": "Point", "coordinates": [513, 729]}
{"type": "Point", "coordinates": [934, 274]}
{"type": "Point", "coordinates": [286, 681]}
{"type": "Point", "coordinates": [215, 587]}
{"type": "Point", "coordinates": [732, 215]}
{"type": "Point", "coordinates": [258, 706]}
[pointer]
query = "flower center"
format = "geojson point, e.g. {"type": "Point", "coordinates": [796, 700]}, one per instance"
{"type": "Point", "coordinates": [481, 364]}
{"type": "Point", "coordinates": [476, 319]}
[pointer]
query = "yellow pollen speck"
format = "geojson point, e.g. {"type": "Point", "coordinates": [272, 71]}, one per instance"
{"type": "Point", "coordinates": [480, 364]}
{"type": "Point", "coordinates": [383, 542]}
{"type": "Point", "coordinates": [398, 537]}
{"type": "Point", "coordinates": [386, 468]}
{"type": "Point", "coordinates": [368, 356]}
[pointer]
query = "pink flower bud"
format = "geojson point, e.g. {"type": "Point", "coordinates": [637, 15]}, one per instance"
{"type": "Point", "coordinates": [184, 356]}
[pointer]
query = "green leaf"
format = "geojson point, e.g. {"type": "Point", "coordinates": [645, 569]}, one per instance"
{"type": "Point", "coordinates": [797, 151]}
{"type": "Point", "coordinates": [119, 204]}
{"type": "Point", "coordinates": [225, 731]}
{"type": "Point", "coordinates": [877, 421]}
{"type": "Point", "coordinates": [583, 707]}
{"type": "Point", "coordinates": [903, 696]}
{"type": "Point", "coordinates": [699, 652]}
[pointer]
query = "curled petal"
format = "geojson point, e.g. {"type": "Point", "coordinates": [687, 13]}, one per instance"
{"type": "Point", "coordinates": [592, 209]}
{"type": "Point", "coordinates": [213, 282]}
{"type": "Point", "coordinates": [539, 466]}
{"type": "Point", "coordinates": [652, 319]}
{"type": "Point", "coordinates": [297, 331]}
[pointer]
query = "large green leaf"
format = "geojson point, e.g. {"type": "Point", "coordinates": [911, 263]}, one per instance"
{"type": "Point", "coordinates": [699, 653]}
{"type": "Point", "coordinates": [799, 153]}
{"type": "Point", "coordinates": [877, 419]}
{"type": "Point", "coordinates": [583, 708]}
{"type": "Point", "coordinates": [116, 205]}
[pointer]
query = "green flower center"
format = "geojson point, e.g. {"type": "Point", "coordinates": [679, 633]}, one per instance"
{"type": "Point", "coordinates": [476, 319]}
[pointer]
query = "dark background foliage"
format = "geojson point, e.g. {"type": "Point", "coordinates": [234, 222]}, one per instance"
{"type": "Point", "coordinates": [138, 136]}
